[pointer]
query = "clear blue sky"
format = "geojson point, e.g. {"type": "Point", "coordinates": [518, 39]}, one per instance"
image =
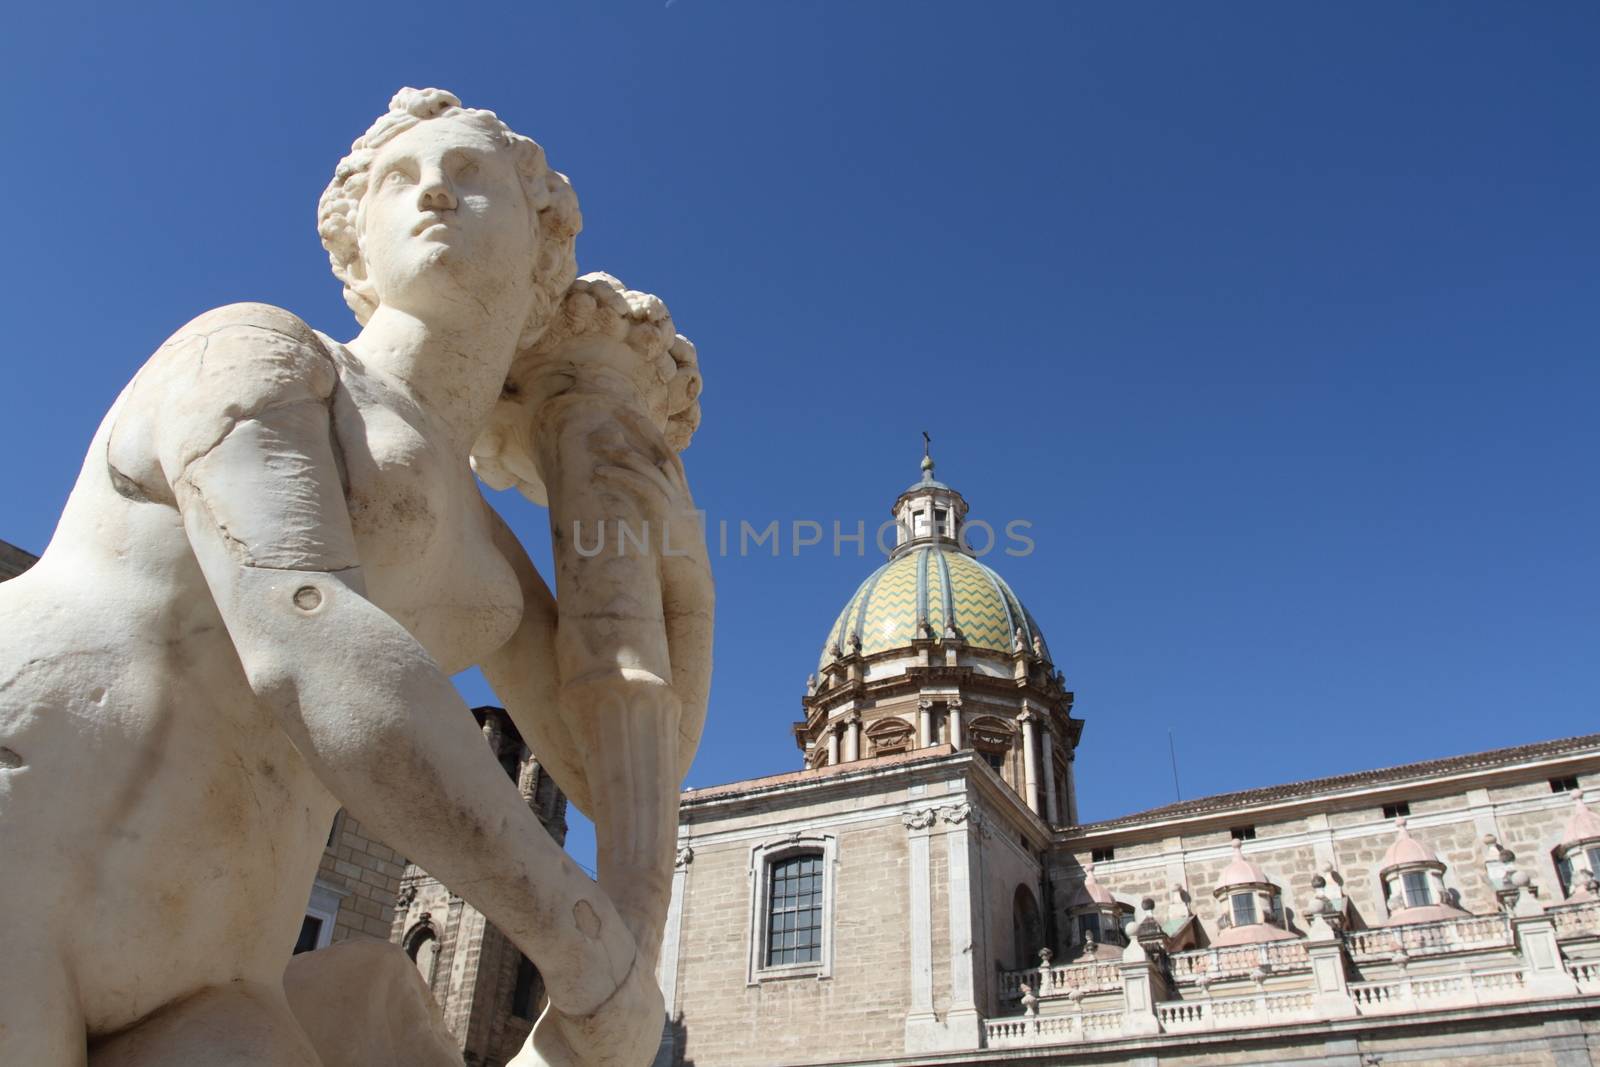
{"type": "Point", "coordinates": [1278, 321]}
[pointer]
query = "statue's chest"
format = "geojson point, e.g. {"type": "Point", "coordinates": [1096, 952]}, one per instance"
{"type": "Point", "coordinates": [422, 531]}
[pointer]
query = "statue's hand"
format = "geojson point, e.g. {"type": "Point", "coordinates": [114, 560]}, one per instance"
{"type": "Point", "coordinates": [503, 453]}
{"type": "Point", "coordinates": [625, 1031]}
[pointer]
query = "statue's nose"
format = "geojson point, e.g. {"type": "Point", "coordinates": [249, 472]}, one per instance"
{"type": "Point", "coordinates": [434, 193]}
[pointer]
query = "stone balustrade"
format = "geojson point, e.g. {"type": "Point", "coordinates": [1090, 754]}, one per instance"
{"type": "Point", "coordinates": [1406, 994]}
{"type": "Point", "coordinates": [1021, 1031]}
{"type": "Point", "coordinates": [1576, 920]}
{"type": "Point", "coordinates": [1097, 976]}
{"type": "Point", "coordinates": [1586, 973]}
{"type": "Point", "coordinates": [1227, 1013]}
{"type": "Point", "coordinates": [1431, 938]}
{"type": "Point", "coordinates": [1408, 968]}
{"type": "Point", "coordinates": [1271, 957]}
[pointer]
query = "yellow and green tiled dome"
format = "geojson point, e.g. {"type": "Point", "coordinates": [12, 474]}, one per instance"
{"type": "Point", "coordinates": [936, 583]}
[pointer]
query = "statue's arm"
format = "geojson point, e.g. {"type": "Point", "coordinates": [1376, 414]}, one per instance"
{"type": "Point", "coordinates": [250, 456]}
{"type": "Point", "coordinates": [524, 675]}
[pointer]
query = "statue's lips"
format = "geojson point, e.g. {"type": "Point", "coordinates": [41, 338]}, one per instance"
{"type": "Point", "coordinates": [427, 225]}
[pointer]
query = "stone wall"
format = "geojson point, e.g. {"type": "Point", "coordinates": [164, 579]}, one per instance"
{"type": "Point", "coordinates": [367, 874]}
{"type": "Point", "coordinates": [864, 1001]}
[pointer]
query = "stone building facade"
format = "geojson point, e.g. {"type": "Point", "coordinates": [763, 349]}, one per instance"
{"type": "Point", "coordinates": [922, 890]}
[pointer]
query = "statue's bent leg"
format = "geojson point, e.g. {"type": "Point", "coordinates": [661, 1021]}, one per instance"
{"type": "Point", "coordinates": [242, 1024]}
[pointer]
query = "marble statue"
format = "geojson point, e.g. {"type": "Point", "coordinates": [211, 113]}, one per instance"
{"type": "Point", "coordinates": [275, 557]}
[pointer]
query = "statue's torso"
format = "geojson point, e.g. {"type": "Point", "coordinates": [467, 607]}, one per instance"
{"type": "Point", "coordinates": [422, 530]}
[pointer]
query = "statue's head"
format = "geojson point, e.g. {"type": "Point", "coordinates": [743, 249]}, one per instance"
{"type": "Point", "coordinates": [435, 190]}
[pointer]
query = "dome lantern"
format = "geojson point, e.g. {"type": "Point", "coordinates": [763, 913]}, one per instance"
{"type": "Point", "coordinates": [928, 512]}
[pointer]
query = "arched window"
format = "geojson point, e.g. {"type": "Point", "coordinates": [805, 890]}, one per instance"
{"type": "Point", "coordinates": [422, 945]}
{"type": "Point", "coordinates": [794, 910]}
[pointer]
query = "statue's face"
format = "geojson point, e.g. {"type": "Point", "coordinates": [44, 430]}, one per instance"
{"type": "Point", "coordinates": [445, 218]}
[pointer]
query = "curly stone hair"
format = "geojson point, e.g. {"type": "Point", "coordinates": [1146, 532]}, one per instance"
{"type": "Point", "coordinates": [667, 372]}
{"type": "Point", "coordinates": [550, 198]}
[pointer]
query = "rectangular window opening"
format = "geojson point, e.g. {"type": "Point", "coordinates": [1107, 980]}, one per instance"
{"type": "Point", "coordinates": [1419, 894]}
{"type": "Point", "coordinates": [1243, 833]}
{"type": "Point", "coordinates": [1244, 909]}
{"type": "Point", "coordinates": [1568, 784]}
{"type": "Point", "coordinates": [1396, 810]}
{"type": "Point", "coordinates": [794, 911]}
{"type": "Point", "coordinates": [1102, 855]}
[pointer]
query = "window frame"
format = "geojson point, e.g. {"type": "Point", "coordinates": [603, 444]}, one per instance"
{"type": "Point", "coordinates": [323, 905]}
{"type": "Point", "coordinates": [1248, 900]}
{"type": "Point", "coordinates": [786, 869]}
{"type": "Point", "coordinates": [764, 857]}
{"type": "Point", "coordinates": [1426, 884]}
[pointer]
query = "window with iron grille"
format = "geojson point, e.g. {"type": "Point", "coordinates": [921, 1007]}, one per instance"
{"type": "Point", "coordinates": [794, 910]}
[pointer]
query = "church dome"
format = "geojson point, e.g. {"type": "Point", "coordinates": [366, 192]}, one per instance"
{"type": "Point", "coordinates": [933, 589]}
{"type": "Point", "coordinates": [924, 591]}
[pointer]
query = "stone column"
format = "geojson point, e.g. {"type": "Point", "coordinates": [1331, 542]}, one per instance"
{"type": "Point", "coordinates": [1052, 814]}
{"type": "Point", "coordinates": [958, 736]}
{"type": "Point", "coordinates": [964, 1026]}
{"type": "Point", "coordinates": [1030, 759]}
{"type": "Point", "coordinates": [833, 745]}
{"type": "Point", "coordinates": [924, 723]}
{"type": "Point", "coordinates": [922, 1025]}
{"type": "Point", "coordinates": [852, 738]}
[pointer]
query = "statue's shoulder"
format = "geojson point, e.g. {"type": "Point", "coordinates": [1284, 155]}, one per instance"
{"type": "Point", "coordinates": [230, 364]}
{"type": "Point", "coordinates": [254, 353]}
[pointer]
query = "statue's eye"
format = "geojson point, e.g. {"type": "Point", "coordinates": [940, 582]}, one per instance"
{"type": "Point", "coordinates": [396, 177]}
{"type": "Point", "coordinates": [467, 172]}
